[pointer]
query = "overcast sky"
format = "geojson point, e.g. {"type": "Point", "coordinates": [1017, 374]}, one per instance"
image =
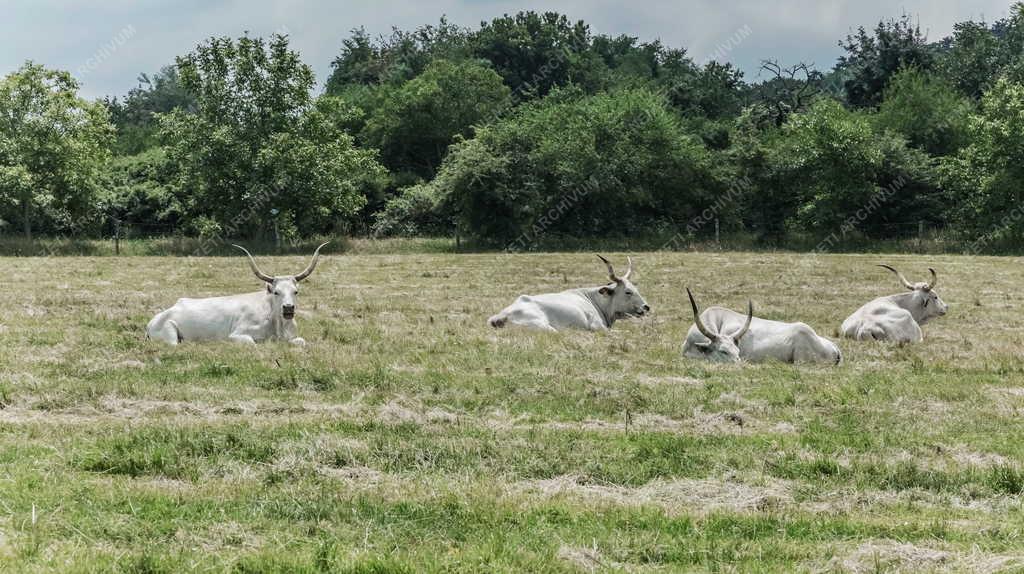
{"type": "Point", "coordinates": [147, 34]}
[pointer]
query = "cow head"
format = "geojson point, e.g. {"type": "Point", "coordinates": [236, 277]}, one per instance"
{"type": "Point", "coordinates": [925, 302]}
{"type": "Point", "coordinates": [283, 289]}
{"type": "Point", "coordinates": [625, 300]}
{"type": "Point", "coordinates": [721, 347]}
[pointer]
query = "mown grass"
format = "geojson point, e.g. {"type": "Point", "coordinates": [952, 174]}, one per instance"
{"type": "Point", "coordinates": [408, 436]}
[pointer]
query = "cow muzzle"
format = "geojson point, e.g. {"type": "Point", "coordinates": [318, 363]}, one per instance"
{"type": "Point", "coordinates": [288, 311]}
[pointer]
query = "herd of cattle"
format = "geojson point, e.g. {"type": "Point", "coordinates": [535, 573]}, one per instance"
{"type": "Point", "coordinates": [717, 334]}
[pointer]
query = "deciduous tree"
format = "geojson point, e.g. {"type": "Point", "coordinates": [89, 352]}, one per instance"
{"type": "Point", "coordinates": [258, 141]}
{"type": "Point", "coordinates": [53, 145]}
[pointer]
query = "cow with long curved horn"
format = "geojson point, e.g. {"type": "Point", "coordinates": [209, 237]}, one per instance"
{"type": "Point", "coordinates": [312, 264]}
{"type": "Point", "coordinates": [725, 336]}
{"type": "Point", "coordinates": [268, 314]}
{"type": "Point", "coordinates": [591, 308]}
{"type": "Point", "coordinates": [897, 317]}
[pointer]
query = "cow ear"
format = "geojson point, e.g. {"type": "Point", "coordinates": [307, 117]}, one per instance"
{"type": "Point", "coordinates": [704, 347]}
{"type": "Point", "coordinates": [270, 288]}
{"type": "Point", "coordinates": [606, 291]}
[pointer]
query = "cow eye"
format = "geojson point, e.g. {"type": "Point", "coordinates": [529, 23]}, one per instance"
{"type": "Point", "coordinates": [629, 292]}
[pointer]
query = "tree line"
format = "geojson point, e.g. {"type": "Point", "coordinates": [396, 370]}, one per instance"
{"type": "Point", "coordinates": [529, 128]}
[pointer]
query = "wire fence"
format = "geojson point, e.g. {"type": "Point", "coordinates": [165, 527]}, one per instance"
{"type": "Point", "coordinates": [881, 231]}
{"type": "Point", "coordinates": [122, 237]}
{"type": "Point", "coordinates": [118, 237]}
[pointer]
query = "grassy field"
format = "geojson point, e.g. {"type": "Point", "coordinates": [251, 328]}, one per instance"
{"type": "Point", "coordinates": [408, 436]}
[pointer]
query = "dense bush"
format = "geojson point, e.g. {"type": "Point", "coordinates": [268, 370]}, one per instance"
{"type": "Point", "coordinates": [838, 166]}
{"type": "Point", "coordinates": [417, 210]}
{"type": "Point", "coordinates": [926, 110]}
{"type": "Point", "coordinates": [984, 178]}
{"type": "Point", "coordinates": [605, 164]}
{"type": "Point", "coordinates": [413, 124]}
{"type": "Point", "coordinates": [138, 191]}
{"type": "Point", "coordinates": [829, 172]}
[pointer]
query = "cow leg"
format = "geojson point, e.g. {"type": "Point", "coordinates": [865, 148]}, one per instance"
{"type": "Point", "coordinates": [531, 321]}
{"type": "Point", "coordinates": [538, 322]}
{"type": "Point", "coordinates": [916, 335]}
{"type": "Point", "coordinates": [808, 347]}
{"type": "Point", "coordinates": [298, 341]}
{"type": "Point", "coordinates": [815, 349]}
{"type": "Point", "coordinates": [522, 315]}
{"type": "Point", "coordinates": [904, 330]}
{"type": "Point", "coordinates": [246, 339]}
{"type": "Point", "coordinates": [871, 333]}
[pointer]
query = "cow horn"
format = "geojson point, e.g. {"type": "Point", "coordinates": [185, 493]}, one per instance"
{"type": "Point", "coordinates": [611, 271]}
{"type": "Point", "coordinates": [906, 283]}
{"type": "Point", "coordinates": [746, 326]}
{"type": "Point", "coordinates": [312, 264]}
{"type": "Point", "coordinates": [696, 318]}
{"type": "Point", "coordinates": [255, 269]}
{"type": "Point", "coordinates": [629, 271]}
{"type": "Point", "coordinates": [935, 279]}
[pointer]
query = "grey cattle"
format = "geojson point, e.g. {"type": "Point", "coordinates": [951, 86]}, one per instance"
{"type": "Point", "coordinates": [590, 308]}
{"type": "Point", "coordinates": [897, 317]}
{"type": "Point", "coordinates": [725, 336]}
{"type": "Point", "coordinates": [264, 315]}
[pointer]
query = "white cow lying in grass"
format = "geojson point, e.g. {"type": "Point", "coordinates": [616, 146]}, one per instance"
{"type": "Point", "coordinates": [897, 317]}
{"type": "Point", "coordinates": [265, 315]}
{"type": "Point", "coordinates": [725, 336]}
{"type": "Point", "coordinates": [591, 308]}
